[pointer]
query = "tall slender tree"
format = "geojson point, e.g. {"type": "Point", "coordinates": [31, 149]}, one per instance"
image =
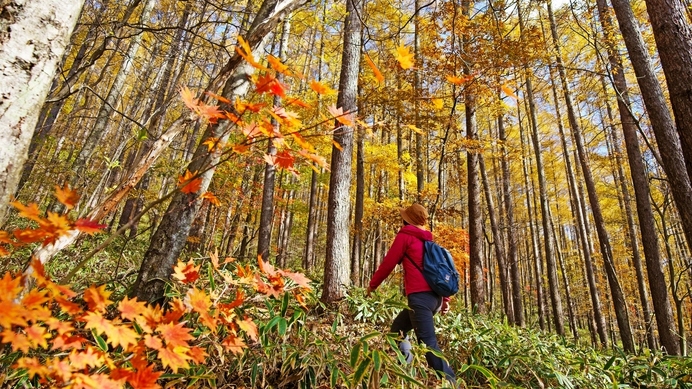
{"type": "Point", "coordinates": [336, 267]}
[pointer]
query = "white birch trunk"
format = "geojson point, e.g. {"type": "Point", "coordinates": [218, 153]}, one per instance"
{"type": "Point", "coordinates": [33, 38]}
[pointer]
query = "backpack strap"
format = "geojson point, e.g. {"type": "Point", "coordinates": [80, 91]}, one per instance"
{"type": "Point", "coordinates": [413, 262]}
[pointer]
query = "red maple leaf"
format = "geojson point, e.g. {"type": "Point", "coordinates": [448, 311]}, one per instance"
{"type": "Point", "coordinates": [89, 226]}
{"type": "Point", "coordinates": [188, 182]}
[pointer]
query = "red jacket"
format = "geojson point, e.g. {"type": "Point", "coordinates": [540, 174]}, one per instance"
{"type": "Point", "coordinates": [407, 240]}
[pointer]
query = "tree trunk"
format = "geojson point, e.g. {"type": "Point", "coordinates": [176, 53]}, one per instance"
{"type": "Point", "coordinates": [512, 256]}
{"type": "Point", "coordinates": [673, 35]}
{"type": "Point", "coordinates": [356, 269]}
{"type": "Point", "coordinates": [336, 267]}
{"type": "Point", "coordinates": [498, 244]}
{"type": "Point", "coordinates": [673, 164]}
{"type": "Point", "coordinates": [637, 172]}
{"type": "Point", "coordinates": [33, 38]}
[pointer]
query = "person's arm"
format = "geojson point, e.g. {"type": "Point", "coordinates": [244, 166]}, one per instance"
{"type": "Point", "coordinates": [393, 258]}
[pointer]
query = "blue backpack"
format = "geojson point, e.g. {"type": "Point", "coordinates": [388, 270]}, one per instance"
{"type": "Point", "coordinates": [438, 269]}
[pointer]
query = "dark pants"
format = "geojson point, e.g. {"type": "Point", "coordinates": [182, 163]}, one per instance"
{"type": "Point", "coordinates": [419, 317]}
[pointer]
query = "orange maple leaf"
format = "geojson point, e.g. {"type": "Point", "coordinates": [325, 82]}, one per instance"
{"type": "Point", "coordinates": [199, 301]}
{"type": "Point", "coordinates": [234, 344]}
{"type": "Point", "coordinates": [298, 278]}
{"type": "Point", "coordinates": [83, 359]}
{"type": "Point", "coordinates": [219, 98]}
{"type": "Point", "coordinates": [174, 357]}
{"type": "Point", "coordinates": [66, 196]}
{"type": "Point", "coordinates": [186, 272]}
{"type": "Point", "coordinates": [248, 326]}
{"type": "Point", "coordinates": [188, 183]}
{"type": "Point", "coordinates": [378, 75]}
{"type": "Point", "coordinates": [212, 199]}
{"type": "Point", "coordinates": [33, 366]}
{"type": "Point", "coordinates": [277, 65]}
{"type": "Point", "coordinates": [9, 287]}
{"type": "Point", "coordinates": [97, 298]}
{"type": "Point", "coordinates": [175, 334]}
{"type": "Point", "coordinates": [246, 53]}
{"type": "Point", "coordinates": [297, 101]}
{"type": "Point", "coordinates": [188, 98]}
{"type": "Point", "coordinates": [144, 377]}
{"type": "Point", "coordinates": [318, 159]}
{"type": "Point", "coordinates": [198, 354]}
{"type": "Point", "coordinates": [19, 342]}
{"type": "Point", "coordinates": [404, 56]}
{"type": "Point", "coordinates": [89, 226]}
{"type": "Point", "coordinates": [153, 342]}
{"type": "Point", "coordinates": [321, 88]}
{"type": "Point", "coordinates": [338, 113]}
{"type": "Point", "coordinates": [242, 106]}
{"type": "Point", "coordinates": [30, 212]}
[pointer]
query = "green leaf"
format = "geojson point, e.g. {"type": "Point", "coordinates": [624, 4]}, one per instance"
{"type": "Point", "coordinates": [377, 362]}
{"type": "Point", "coordinates": [360, 371]}
{"type": "Point", "coordinates": [99, 340]}
{"type": "Point", "coordinates": [334, 376]}
{"type": "Point", "coordinates": [284, 304]}
{"type": "Point", "coordinates": [210, 272]}
{"type": "Point", "coordinates": [354, 354]}
{"type": "Point", "coordinates": [283, 324]}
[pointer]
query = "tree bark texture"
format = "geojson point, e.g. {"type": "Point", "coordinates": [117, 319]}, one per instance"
{"type": "Point", "coordinates": [337, 264]}
{"type": "Point", "coordinates": [33, 38]}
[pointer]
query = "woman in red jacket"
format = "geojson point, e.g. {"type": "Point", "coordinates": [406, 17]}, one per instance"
{"type": "Point", "coordinates": [423, 303]}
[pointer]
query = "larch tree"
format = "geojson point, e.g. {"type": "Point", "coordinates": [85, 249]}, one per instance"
{"type": "Point", "coordinates": [33, 38]}
{"type": "Point", "coordinates": [671, 157]}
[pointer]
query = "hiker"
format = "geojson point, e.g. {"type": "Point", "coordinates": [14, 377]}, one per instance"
{"type": "Point", "coordinates": [423, 303]}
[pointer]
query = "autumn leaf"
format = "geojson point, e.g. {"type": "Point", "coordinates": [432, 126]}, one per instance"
{"type": "Point", "coordinates": [153, 342]}
{"type": "Point", "coordinates": [212, 199]}
{"type": "Point", "coordinates": [188, 98]}
{"type": "Point", "coordinates": [89, 226]}
{"type": "Point", "coordinates": [119, 335]}
{"type": "Point", "coordinates": [9, 287]}
{"type": "Point", "coordinates": [211, 143]}
{"type": "Point", "coordinates": [317, 159]}
{"type": "Point", "coordinates": [337, 145]}
{"type": "Point", "coordinates": [37, 336]}
{"type": "Point", "coordinates": [144, 378]}
{"type": "Point", "coordinates": [18, 341]}
{"type": "Point", "coordinates": [378, 75]}
{"type": "Point", "coordinates": [97, 298]}
{"type": "Point", "coordinates": [509, 92]}
{"type": "Point", "coordinates": [297, 101]}
{"type": "Point", "coordinates": [284, 159]}
{"type": "Point", "coordinates": [242, 106]}
{"type": "Point", "coordinates": [188, 183]}
{"type": "Point", "coordinates": [66, 196]}
{"type": "Point", "coordinates": [33, 366]}
{"type": "Point", "coordinates": [200, 302]}
{"type": "Point", "coordinates": [175, 335]}
{"type": "Point", "coordinates": [267, 83]}
{"type": "Point", "coordinates": [174, 357]}
{"type": "Point", "coordinates": [249, 327]}
{"type": "Point", "coordinates": [186, 272]}
{"type": "Point", "coordinates": [456, 80]}
{"type": "Point", "coordinates": [198, 355]}
{"type": "Point", "coordinates": [219, 98]}
{"type": "Point", "coordinates": [298, 278]}
{"type": "Point", "coordinates": [30, 212]}
{"type": "Point", "coordinates": [304, 144]}
{"type": "Point", "coordinates": [83, 359]}
{"type": "Point", "coordinates": [321, 88]}
{"type": "Point", "coordinates": [277, 65]}
{"type": "Point", "coordinates": [404, 56]}
{"type": "Point", "coordinates": [338, 113]}
{"type": "Point", "coordinates": [234, 344]}
{"type": "Point", "coordinates": [246, 52]}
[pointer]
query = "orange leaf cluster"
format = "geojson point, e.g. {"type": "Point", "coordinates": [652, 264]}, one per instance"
{"type": "Point", "coordinates": [51, 227]}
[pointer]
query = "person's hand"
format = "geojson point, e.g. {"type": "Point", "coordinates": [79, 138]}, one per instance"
{"type": "Point", "coordinates": [445, 306]}
{"type": "Point", "coordinates": [367, 293]}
